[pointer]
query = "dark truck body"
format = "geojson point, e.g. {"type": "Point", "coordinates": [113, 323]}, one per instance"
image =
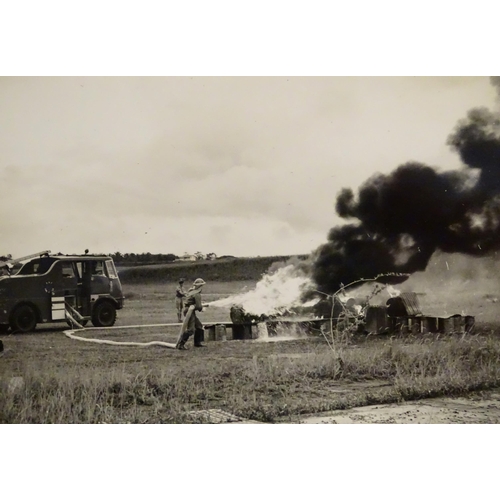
{"type": "Point", "coordinates": [44, 287]}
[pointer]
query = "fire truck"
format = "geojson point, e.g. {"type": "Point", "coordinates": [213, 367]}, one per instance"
{"type": "Point", "coordinates": [47, 287]}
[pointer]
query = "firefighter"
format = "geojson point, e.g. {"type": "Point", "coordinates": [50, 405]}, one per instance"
{"type": "Point", "coordinates": [179, 299]}
{"type": "Point", "coordinates": [194, 326]}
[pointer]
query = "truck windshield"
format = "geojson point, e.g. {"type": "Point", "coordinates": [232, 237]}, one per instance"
{"type": "Point", "coordinates": [110, 267]}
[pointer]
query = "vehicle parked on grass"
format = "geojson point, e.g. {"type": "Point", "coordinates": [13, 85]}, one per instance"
{"type": "Point", "coordinates": [48, 287]}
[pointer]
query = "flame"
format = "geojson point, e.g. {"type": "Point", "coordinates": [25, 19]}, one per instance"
{"type": "Point", "coordinates": [393, 292]}
{"type": "Point", "coordinates": [273, 294]}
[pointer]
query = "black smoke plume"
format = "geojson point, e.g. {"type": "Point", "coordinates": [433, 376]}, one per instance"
{"type": "Point", "coordinates": [402, 218]}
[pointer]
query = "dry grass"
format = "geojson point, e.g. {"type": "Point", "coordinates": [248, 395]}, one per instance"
{"type": "Point", "coordinates": [47, 378]}
{"type": "Point", "coordinates": [259, 382]}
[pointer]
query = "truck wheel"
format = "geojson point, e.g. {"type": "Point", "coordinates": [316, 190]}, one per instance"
{"type": "Point", "coordinates": [104, 314]}
{"type": "Point", "coordinates": [23, 319]}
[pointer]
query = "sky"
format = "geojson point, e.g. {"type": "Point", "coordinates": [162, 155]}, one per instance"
{"type": "Point", "coordinates": [240, 166]}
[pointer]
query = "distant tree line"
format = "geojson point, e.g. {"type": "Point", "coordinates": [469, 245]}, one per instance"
{"type": "Point", "coordinates": [157, 258]}
{"type": "Point", "coordinates": [143, 258]}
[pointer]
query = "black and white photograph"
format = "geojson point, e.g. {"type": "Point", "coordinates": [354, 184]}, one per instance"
{"type": "Point", "coordinates": [232, 231]}
{"type": "Point", "coordinates": [284, 279]}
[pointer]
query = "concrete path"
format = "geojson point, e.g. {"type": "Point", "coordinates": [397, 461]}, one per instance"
{"type": "Point", "coordinates": [483, 408]}
{"type": "Point", "coordinates": [474, 410]}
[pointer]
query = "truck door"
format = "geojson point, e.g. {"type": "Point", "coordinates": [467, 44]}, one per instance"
{"type": "Point", "coordinates": [65, 288]}
{"type": "Point", "coordinates": [86, 287]}
{"type": "Point", "coordinates": [100, 283]}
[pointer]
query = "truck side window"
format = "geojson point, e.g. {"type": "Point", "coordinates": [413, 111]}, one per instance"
{"type": "Point", "coordinates": [29, 268]}
{"type": "Point", "coordinates": [67, 270]}
{"type": "Point", "coordinates": [98, 269]}
{"type": "Point", "coordinates": [36, 266]}
{"type": "Point", "coordinates": [43, 266]}
{"type": "Point", "coordinates": [79, 270]}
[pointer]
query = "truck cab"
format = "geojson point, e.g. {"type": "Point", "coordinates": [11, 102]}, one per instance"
{"type": "Point", "coordinates": [49, 287]}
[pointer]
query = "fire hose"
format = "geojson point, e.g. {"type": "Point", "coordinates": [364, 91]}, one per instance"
{"type": "Point", "coordinates": [73, 316]}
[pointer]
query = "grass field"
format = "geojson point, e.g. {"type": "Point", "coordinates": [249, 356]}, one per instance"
{"type": "Point", "coordinates": [47, 378]}
{"type": "Point", "coordinates": [155, 302]}
{"type": "Point", "coordinates": [231, 268]}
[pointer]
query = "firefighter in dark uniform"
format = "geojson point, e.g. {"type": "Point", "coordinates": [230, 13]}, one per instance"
{"type": "Point", "coordinates": [179, 299]}
{"type": "Point", "coordinates": [194, 326]}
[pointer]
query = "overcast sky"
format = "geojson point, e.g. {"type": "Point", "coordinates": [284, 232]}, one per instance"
{"type": "Point", "coordinates": [243, 166]}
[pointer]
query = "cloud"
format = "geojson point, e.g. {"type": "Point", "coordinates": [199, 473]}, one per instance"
{"type": "Point", "coordinates": [104, 159]}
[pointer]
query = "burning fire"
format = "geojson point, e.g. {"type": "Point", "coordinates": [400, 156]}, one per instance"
{"type": "Point", "coordinates": [399, 220]}
{"type": "Point", "coordinates": [397, 223]}
{"type": "Point", "coordinates": [393, 292]}
{"type": "Point", "coordinates": [274, 294]}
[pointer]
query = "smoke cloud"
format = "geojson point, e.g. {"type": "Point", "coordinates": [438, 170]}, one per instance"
{"type": "Point", "coordinates": [401, 219]}
{"type": "Point", "coordinates": [495, 81]}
